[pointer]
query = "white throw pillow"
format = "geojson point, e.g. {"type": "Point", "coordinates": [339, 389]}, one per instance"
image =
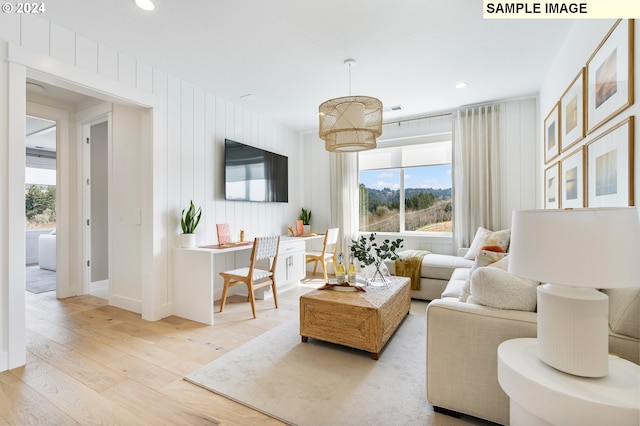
{"type": "Point", "coordinates": [484, 258]}
{"type": "Point", "coordinates": [485, 237]}
{"type": "Point", "coordinates": [500, 289]}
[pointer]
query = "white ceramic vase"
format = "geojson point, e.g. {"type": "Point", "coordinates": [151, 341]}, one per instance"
{"type": "Point", "coordinates": [187, 240]}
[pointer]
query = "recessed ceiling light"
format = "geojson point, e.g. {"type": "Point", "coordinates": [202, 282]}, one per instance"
{"type": "Point", "coordinates": [145, 4]}
{"type": "Point", "coordinates": [461, 85]}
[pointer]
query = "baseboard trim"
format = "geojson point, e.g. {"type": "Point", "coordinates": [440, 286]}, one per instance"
{"type": "Point", "coordinates": [126, 303]}
{"type": "Point", "coordinates": [98, 286]}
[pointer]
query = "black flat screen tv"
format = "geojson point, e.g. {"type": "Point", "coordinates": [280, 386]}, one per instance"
{"type": "Point", "coordinates": [253, 174]}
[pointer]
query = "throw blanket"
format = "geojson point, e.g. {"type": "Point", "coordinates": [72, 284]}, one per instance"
{"type": "Point", "coordinates": [409, 264]}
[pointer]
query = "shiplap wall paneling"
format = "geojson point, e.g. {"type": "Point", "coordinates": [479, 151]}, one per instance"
{"type": "Point", "coordinates": [187, 178]}
{"type": "Point", "coordinates": [199, 195]}
{"type": "Point", "coordinates": [108, 62]}
{"type": "Point", "coordinates": [9, 29]}
{"type": "Point", "coordinates": [35, 35]}
{"type": "Point", "coordinates": [173, 183]}
{"type": "Point", "coordinates": [62, 45]}
{"type": "Point", "coordinates": [144, 77]}
{"type": "Point", "coordinates": [86, 54]}
{"type": "Point", "coordinates": [518, 151]}
{"type": "Point", "coordinates": [220, 134]}
{"type": "Point", "coordinates": [211, 169]}
{"type": "Point", "coordinates": [127, 70]}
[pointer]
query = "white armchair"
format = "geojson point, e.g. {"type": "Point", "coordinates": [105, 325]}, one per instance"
{"type": "Point", "coordinates": [47, 251]}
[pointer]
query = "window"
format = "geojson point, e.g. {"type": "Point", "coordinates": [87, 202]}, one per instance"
{"type": "Point", "coordinates": [406, 184]}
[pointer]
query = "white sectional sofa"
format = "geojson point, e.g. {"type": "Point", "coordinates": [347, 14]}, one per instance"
{"type": "Point", "coordinates": [47, 251]}
{"type": "Point", "coordinates": [435, 273]}
{"type": "Point", "coordinates": [463, 338]}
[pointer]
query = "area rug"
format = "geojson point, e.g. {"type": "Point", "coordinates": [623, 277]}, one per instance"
{"type": "Point", "coordinates": [318, 383]}
{"type": "Point", "coordinates": [39, 280]}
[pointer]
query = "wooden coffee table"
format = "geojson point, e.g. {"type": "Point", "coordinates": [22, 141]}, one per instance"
{"type": "Point", "coordinates": [360, 320]}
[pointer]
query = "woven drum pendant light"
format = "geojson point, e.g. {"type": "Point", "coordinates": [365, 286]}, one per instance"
{"type": "Point", "coordinates": [350, 123]}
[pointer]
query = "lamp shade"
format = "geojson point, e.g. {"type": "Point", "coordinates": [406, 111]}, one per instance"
{"type": "Point", "coordinates": [594, 248]}
{"type": "Point", "coordinates": [350, 123]}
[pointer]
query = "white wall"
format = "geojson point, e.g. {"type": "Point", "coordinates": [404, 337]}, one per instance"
{"type": "Point", "coordinates": [582, 42]}
{"type": "Point", "coordinates": [178, 157]}
{"type": "Point", "coordinates": [518, 136]}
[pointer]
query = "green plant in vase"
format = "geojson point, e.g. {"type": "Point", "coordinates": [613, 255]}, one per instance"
{"type": "Point", "coordinates": [305, 217]}
{"type": "Point", "coordinates": [189, 221]}
{"type": "Point", "coordinates": [368, 251]}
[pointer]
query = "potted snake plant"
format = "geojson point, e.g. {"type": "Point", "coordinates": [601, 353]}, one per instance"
{"type": "Point", "coordinates": [189, 223]}
{"type": "Point", "coordinates": [305, 217]}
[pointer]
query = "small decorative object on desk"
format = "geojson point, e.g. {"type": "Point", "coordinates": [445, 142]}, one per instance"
{"type": "Point", "coordinates": [299, 228]}
{"type": "Point", "coordinates": [369, 252]}
{"type": "Point", "coordinates": [224, 235]}
{"type": "Point", "coordinates": [305, 217]}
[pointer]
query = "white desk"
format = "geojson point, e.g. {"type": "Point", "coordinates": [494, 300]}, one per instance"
{"type": "Point", "coordinates": [195, 271]}
{"type": "Point", "coordinates": [542, 395]}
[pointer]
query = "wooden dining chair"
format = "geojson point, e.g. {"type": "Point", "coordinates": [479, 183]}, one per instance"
{"type": "Point", "coordinates": [328, 253]}
{"type": "Point", "coordinates": [264, 248]}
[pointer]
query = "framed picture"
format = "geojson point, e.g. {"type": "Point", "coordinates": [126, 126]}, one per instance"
{"type": "Point", "coordinates": [572, 180]}
{"type": "Point", "coordinates": [552, 134]}
{"type": "Point", "coordinates": [610, 167]}
{"type": "Point", "coordinates": [552, 186]}
{"type": "Point", "coordinates": [610, 75]}
{"type": "Point", "coordinates": [573, 113]}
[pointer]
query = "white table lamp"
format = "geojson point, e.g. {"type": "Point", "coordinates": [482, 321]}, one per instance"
{"type": "Point", "coordinates": [576, 252]}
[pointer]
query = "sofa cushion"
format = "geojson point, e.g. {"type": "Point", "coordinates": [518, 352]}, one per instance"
{"type": "Point", "coordinates": [484, 258]}
{"type": "Point", "coordinates": [485, 237]}
{"type": "Point", "coordinates": [436, 266]}
{"type": "Point", "coordinates": [624, 311]}
{"type": "Point", "coordinates": [455, 284]}
{"type": "Point", "coordinates": [500, 289]}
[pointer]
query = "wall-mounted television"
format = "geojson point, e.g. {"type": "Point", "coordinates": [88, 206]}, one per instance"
{"type": "Point", "coordinates": [254, 174]}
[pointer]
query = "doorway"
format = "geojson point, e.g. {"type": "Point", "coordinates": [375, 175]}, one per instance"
{"type": "Point", "coordinates": [40, 205]}
{"type": "Point", "coordinates": [95, 138]}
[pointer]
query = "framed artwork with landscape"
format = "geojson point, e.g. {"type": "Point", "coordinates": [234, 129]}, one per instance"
{"type": "Point", "coordinates": [552, 134]}
{"type": "Point", "coordinates": [610, 167]}
{"type": "Point", "coordinates": [552, 186]}
{"type": "Point", "coordinates": [572, 113]}
{"type": "Point", "coordinates": [572, 180]}
{"type": "Point", "coordinates": [610, 75]}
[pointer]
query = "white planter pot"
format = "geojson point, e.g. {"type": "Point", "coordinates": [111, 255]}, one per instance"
{"type": "Point", "coordinates": [187, 240]}
{"type": "Point", "coordinates": [307, 229]}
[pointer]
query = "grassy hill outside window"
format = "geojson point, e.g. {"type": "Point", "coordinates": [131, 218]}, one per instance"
{"type": "Point", "coordinates": [405, 185]}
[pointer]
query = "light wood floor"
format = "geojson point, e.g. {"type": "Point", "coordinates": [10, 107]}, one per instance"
{"type": "Point", "coordinates": [89, 363]}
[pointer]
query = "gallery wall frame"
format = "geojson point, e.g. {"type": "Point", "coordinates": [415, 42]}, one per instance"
{"type": "Point", "coordinates": [572, 180]}
{"type": "Point", "coordinates": [552, 186]}
{"type": "Point", "coordinates": [609, 167]}
{"type": "Point", "coordinates": [610, 75]}
{"type": "Point", "coordinates": [552, 134]}
{"type": "Point", "coordinates": [573, 112]}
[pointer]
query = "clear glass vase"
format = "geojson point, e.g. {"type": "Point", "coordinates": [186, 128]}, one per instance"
{"type": "Point", "coordinates": [377, 274]}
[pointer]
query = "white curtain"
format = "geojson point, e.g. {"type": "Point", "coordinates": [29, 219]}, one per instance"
{"type": "Point", "coordinates": [344, 191]}
{"type": "Point", "coordinates": [476, 164]}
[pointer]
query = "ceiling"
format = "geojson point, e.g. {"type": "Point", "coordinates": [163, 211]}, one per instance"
{"type": "Point", "coordinates": [282, 58]}
{"type": "Point", "coordinates": [40, 134]}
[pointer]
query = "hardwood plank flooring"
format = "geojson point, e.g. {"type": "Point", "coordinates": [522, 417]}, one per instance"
{"type": "Point", "coordinates": [88, 363]}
